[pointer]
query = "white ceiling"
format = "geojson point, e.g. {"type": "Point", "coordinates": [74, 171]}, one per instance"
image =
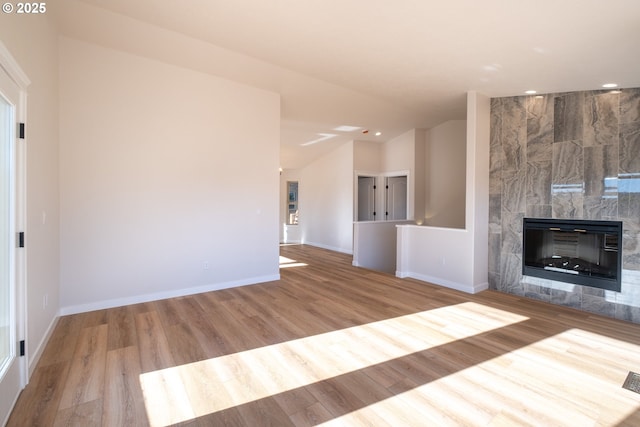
{"type": "Point", "coordinates": [379, 64]}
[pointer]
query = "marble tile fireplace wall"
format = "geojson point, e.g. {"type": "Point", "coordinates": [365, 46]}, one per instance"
{"type": "Point", "coordinates": [573, 156]}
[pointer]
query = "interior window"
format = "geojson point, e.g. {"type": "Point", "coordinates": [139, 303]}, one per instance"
{"type": "Point", "coordinates": [292, 203]}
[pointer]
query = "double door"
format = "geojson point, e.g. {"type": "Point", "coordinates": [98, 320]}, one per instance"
{"type": "Point", "coordinates": [382, 198]}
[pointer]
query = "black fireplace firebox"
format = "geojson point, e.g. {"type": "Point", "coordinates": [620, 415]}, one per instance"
{"type": "Point", "coordinates": [575, 251]}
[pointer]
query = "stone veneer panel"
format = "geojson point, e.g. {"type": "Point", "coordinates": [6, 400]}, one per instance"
{"type": "Point", "coordinates": [567, 155]}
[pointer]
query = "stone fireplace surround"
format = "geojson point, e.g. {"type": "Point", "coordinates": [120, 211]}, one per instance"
{"type": "Point", "coordinates": [573, 156]}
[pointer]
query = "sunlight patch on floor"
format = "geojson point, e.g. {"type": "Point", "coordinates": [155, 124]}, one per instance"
{"type": "Point", "coordinates": [526, 386]}
{"type": "Point", "coordinates": [288, 262]}
{"type": "Point", "coordinates": [184, 392]}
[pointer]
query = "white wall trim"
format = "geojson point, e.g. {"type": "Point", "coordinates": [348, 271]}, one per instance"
{"type": "Point", "coordinates": [118, 302]}
{"type": "Point", "coordinates": [12, 68]}
{"type": "Point", "coordinates": [331, 248]}
{"type": "Point", "coordinates": [470, 289]}
{"type": "Point", "coordinates": [19, 222]}
{"type": "Point", "coordinates": [484, 286]}
{"type": "Point", "coordinates": [402, 274]}
{"type": "Point", "coordinates": [34, 357]}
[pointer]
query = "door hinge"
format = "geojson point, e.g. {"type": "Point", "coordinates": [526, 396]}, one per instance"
{"type": "Point", "coordinates": [20, 239]}
{"type": "Point", "coordinates": [21, 131]}
{"type": "Point", "coordinates": [22, 348]}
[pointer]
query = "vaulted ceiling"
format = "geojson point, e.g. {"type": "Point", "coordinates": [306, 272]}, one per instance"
{"type": "Point", "coordinates": [374, 64]}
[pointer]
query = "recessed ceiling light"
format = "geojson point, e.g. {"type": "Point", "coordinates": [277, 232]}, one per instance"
{"type": "Point", "coordinates": [530, 92]}
{"type": "Point", "coordinates": [347, 128]}
{"type": "Point", "coordinates": [378, 133]}
{"type": "Point", "coordinates": [609, 85]}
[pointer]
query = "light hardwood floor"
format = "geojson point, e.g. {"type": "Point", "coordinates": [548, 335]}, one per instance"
{"type": "Point", "coordinates": [332, 344]}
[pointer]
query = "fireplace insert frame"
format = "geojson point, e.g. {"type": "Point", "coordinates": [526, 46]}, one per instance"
{"type": "Point", "coordinates": [611, 243]}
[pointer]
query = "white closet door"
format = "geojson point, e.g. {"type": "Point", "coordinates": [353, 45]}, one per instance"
{"type": "Point", "coordinates": [396, 198]}
{"type": "Point", "coordinates": [366, 198]}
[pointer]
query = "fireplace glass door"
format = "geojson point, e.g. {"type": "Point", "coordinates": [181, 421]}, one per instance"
{"type": "Point", "coordinates": [582, 252]}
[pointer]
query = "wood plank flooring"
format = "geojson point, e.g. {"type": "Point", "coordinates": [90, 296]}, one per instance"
{"type": "Point", "coordinates": [330, 344]}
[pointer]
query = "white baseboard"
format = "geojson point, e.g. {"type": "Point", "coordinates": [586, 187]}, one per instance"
{"type": "Point", "coordinates": [480, 287]}
{"type": "Point", "coordinates": [34, 356]}
{"type": "Point", "coordinates": [402, 274]}
{"type": "Point", "coordinates": [331, 248]}
{"type": "Point", "coordinates": [118, 302]}
{"type": "Point", "coordinates": [470, 289]}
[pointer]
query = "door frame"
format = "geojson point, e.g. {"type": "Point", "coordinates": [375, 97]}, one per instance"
{"type": "Point", "coordinates": [10, 68]}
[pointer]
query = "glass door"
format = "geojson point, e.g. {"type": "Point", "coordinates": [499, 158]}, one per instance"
{"type": "Point", "coordinates": [6, 118]}
{"type": "Point", "coordinates": [10, 368]}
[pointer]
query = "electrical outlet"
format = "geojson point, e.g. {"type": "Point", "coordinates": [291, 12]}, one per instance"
{"type": "Point", "coordinates": [205, 265]}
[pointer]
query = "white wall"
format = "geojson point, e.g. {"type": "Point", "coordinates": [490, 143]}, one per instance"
{"type": "Point", "coordinates": [162, 169]}
{"type": "Point", "coordinates": [367, 161]}
{"type": "Point", "coordinates": [367, 156]}
{"type": "Point", "coordinates": [477, 183]}
{"type": "Point", "coordinates": [405, 153]}
{"type": "Point", "coordinates": [436, 255]}
{"type": "Point", "coordinates": [399, 153]}
{"type": "Point", "coordinates": [445, 157]}
{"type": "Point", "coordinates": [32, 41]}
{"type": "Point", "coordinates": [374, 245]}
{"type": "Point", "coordinates": [419, 173]}
{"type": "Point", "coordinates": [456, 258]}
{"type": "Point", "coordinates": [326, 200]}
